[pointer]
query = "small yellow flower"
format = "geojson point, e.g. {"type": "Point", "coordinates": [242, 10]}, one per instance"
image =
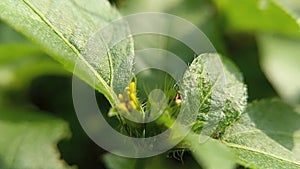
{"type": "Point", "coordinates": [133, 98]}
{"type": "Point", "coordinates": [123, 107]}
{"type": "Point", "coordinates": [120, 96]}
{"type": "Point", "coordinates": [132, 87]}
{"type": "Point", "coordinates": [132, 104]}
{"type": "Point", "coordinates": [129, 101]}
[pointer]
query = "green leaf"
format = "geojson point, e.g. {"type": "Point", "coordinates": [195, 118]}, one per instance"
{"type": "Point", "coordinates": [278, 16]}
{"type": "Point", "coordinates": [280, 61]}
{"type": "Point", "coordinates": [218, 89]}
{"type": "Point", "coordinates": [267, 136]}
{"type": "Point", "coordinates": [21, 61]}
{"type": "Point", "coordinates": [64, 28]}
{"type": "Point", "coordinates": [28, 140]}
{"type": "Point", "coordinates": [212, 154]}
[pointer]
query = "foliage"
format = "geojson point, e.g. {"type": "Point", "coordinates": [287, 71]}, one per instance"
{"type": "Point", "coordinates": [262, 37]}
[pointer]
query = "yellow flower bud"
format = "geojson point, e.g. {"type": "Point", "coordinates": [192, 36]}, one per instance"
{"type": "Point", "coordinates": [133, 98]}
{"type": "Point", "coordinates": [132, 87]}
{"type": "Point", "coordinates": [121, 97]}
{"type": "Point", "coordinates": [122, 106]}
{"type": "Point", "coordinates": [132, 104]}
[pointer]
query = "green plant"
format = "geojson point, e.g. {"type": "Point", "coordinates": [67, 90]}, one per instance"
{"type": "Point", "coordinates": [261, 134]}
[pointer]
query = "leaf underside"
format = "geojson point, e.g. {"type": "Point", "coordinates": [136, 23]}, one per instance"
{"type": "Point", "coordinates": [72, 36]}
{"type": "Point", "coordinates": [267, 136]}
{"type": "Point", "coordinates": [218, 90]}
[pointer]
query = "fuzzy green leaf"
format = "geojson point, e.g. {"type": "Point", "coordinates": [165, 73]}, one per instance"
{"type": "Point", "coordinates": [65, 28]}
{"type": "Point", "coordinates": [267, 136]}
{"type": "Point", "coordinates": [218, 88]}
{"type": "Point", "coordinates": [28, 140]}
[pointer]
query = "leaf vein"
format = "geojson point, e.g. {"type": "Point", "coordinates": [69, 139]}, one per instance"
{"type": "Point", "coordinates": [262, 152]}
{"type": "Point", "coordinates": [107, 91]}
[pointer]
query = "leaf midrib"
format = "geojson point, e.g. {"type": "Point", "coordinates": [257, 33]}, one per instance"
{"type": "Point", "coordinates": [107, 91]}
{"type": "Point", "coordinates": [109, 61]}
{"type": "Point", "coordinates": [233, 145]}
